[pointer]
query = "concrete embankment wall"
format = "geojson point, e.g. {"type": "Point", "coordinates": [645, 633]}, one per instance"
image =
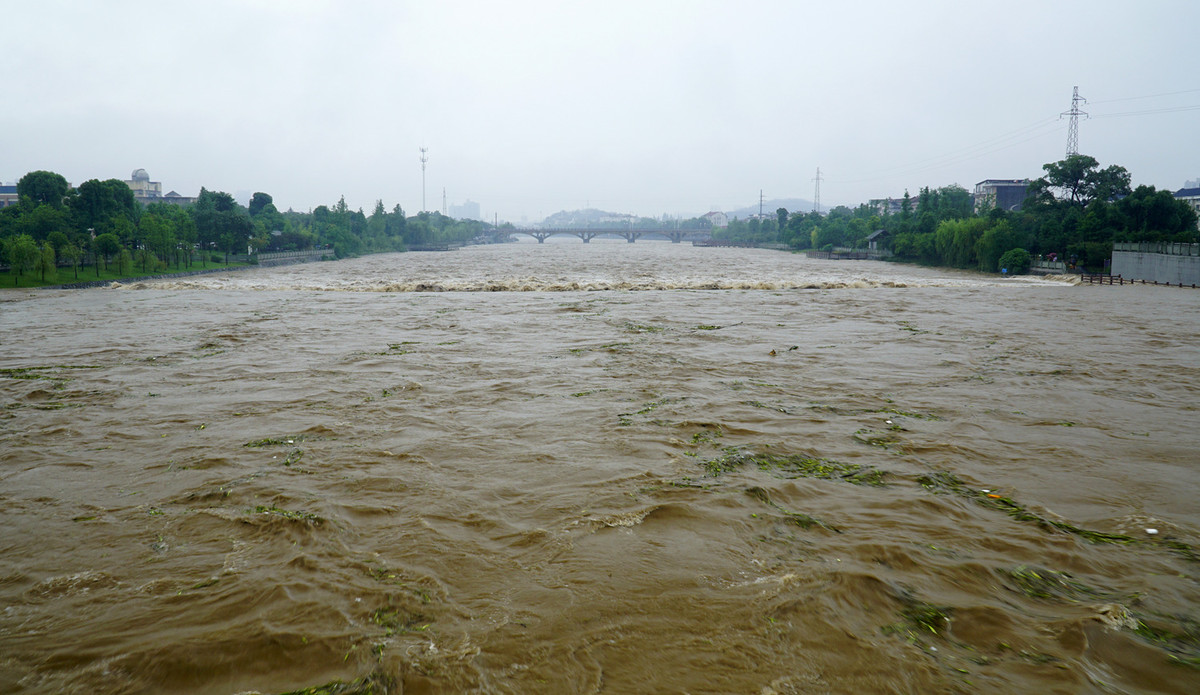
{"type": "Point", "coordinates": [1164, 263]}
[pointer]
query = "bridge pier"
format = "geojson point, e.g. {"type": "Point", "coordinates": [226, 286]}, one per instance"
{"type": "Point", "coordinates": [541, 236]}
{"type": "Point", "coordinates": [587, 236]}
{"type": "Point", "coordinates": [675, 236]}
{"type": "Point", "coordinates": [630, 236]}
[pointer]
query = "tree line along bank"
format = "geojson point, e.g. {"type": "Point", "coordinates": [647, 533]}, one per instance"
{"type": "Point", "coordinates": [1077, 210]}
{"type": "Point", "coordinates": [98, 230]}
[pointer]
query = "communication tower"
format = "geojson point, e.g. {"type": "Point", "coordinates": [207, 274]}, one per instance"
{"type": "Point", "coordinates": [1073, 127]}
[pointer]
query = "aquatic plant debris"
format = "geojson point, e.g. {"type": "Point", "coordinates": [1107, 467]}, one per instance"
{"type": "Point", "coordinates": [794, 466]}
{"type": "Point", "coordinates": [944, 482]}
{"type": "Point", "coordinates": [374, 684]}
{"type": "Point", "coordinates": [800, 519]}
{"type": "Point", "coordinates": [290, 514]}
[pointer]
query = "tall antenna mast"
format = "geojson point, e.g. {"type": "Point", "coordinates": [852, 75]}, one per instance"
{"type": "Point", "coordinates": [760, 203]}
{"type": "Point", "coordinates": [1073, 127]}
{"type": "Point", "coordinates": [444, 208]}
{"type": "Point", "coordinates": [817, 192]}
{"type": "Point", "coordinates": [424, 159]}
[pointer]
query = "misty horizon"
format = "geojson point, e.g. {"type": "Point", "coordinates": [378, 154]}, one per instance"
{"type": "Point", "coordinates": [675, 108]}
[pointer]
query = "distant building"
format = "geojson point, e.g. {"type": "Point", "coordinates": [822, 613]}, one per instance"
{"type": "Point", "coordinates": [1006, 194]}
{"type": "Point", "coordinates": [718, 220]}
{"type": "Point", "coordinates": [888, 206]}
{"type": "Point", "coordinates": [8, 195]}
{"type": "Point", "coordinates": [467, 211]}
{"type": "Point", "coordinates": [146, 191]}
{"type": "Point", "coordinates": [1190, 196]}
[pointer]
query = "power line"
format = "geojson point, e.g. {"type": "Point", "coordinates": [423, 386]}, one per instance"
{"type": "Point", "coordinates": [1047, 126]}
{"type": "Point", "coordinates": [1148, 96]}
{"type": "Point", "coordinates": [1147, 112]}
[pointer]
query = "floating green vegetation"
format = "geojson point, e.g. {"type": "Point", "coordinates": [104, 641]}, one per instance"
{"type": "Point", "coordinates": [919, 619]}
{"type": "Point", "coordinates": [293, 457]}
{"type": "Point", "coordinates": [708, 327]}
{"type": "Point", "coordinates": [1183, 645]}
{"type": "Point", "coordinates": [48, 405]}
{"type": "Point", "coordinates": [610, 347]}
{"type": "Point", "coordinates": [1066, 423]}
{"type": "Point", "coordinates": [800, 519]}
{"type": "Point", "coordinates": [707, 436]}
{"type": "Point", "coordinates": [1047, 584]}
{"type": "Point", "coordinates": [49, 373]}
{"type": "Point", "coordinates": [272, 441]}
{"type": "Point", "coordinates": [760, 404]}
{"type": "Point", "coordinates": [626, 419]}
{"type": "Point", "coordinates": [370, 685]}
{"type": "Point", "coordinates": [794, 466]}
{"type": "Point", "coordinates": [883, 441]}
{"type": "Point", "coordinates": [949, 483]}
{"type": "Point", "coordinates": [908, 326]}
{"type": "Point", "coordinates": [290, 514]}
{"type": "Point", "coordinates": [398, 348]}
{"type": "Point", "coordinates": [589, 392]}
{"type": "Point", "coordinates": [395, 621]}
{"type": "Point", "coordinates": [905, 413]}
{"type": "Point", "coordinates": [396, 578]}
{"type": "Point", "coordinates": [643, 328]}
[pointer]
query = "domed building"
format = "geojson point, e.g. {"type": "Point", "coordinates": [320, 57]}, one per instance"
{"type": "Point", "coordinates": [144, 190]}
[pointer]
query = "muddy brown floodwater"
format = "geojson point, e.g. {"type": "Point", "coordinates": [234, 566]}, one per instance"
{"type": "Point", "coordinates": [609, 468]}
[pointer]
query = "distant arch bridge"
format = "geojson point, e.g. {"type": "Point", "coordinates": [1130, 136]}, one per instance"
{"type": "Point", "coordinates": [629, 234]}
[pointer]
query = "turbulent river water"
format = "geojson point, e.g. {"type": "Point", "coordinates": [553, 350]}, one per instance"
{"type": "Point", "coordinates": [611, 467]}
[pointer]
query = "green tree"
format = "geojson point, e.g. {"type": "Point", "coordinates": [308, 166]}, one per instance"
{"type": "Point", "coordinates": [1147, 214]}
{"type": "Point", "coordinates": [259, 201]}
{"type": "Point", "coordinates": [157, 234]}
{"type": "Point", "coordinates": [999, 238]}
{"type": "Point", "coordinates": [47, 263]}
{"type": "Point", "coordinates": [43, 188]}
{"type": "Point", "coordinates": [72, 254]}
{"type": "Point", "coordinates": [956, 240]}
{"type": "Point", "coordinates": [23, 256]}
{"type": "Point", "coordinates": [1015, 261]}
{"type": "Point", "coordinates": [105, 246]}
{"type": "Point", "coordinates": [146, 259]}
{"type": "Point", "coordinates": [124, 262]}
{"type": "Point", "coordinates": [221, 223]}
{"type": "Point", "coordinates": [97, 203]}
{"type": "Point", "coordinates": [42, 221]}
{"type": "Point", "coordinates": [58, 240]}
{"type": "Point", "coordinates": [1077, 180]}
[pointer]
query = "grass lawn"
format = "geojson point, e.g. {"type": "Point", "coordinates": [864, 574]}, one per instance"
{"type": "Point", "coordinates": [67, 276]}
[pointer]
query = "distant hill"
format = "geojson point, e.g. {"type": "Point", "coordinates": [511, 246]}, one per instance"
{"type": "Point", "coordinates": [592, 218]}
{"type": "Point", "coordinates": [770, 206]}
{"type": "Point", "coordinates": [584, 219]}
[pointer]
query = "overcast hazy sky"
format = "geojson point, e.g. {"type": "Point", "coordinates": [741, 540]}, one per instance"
{"type": "Point", "coordinates": [645, 106]}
